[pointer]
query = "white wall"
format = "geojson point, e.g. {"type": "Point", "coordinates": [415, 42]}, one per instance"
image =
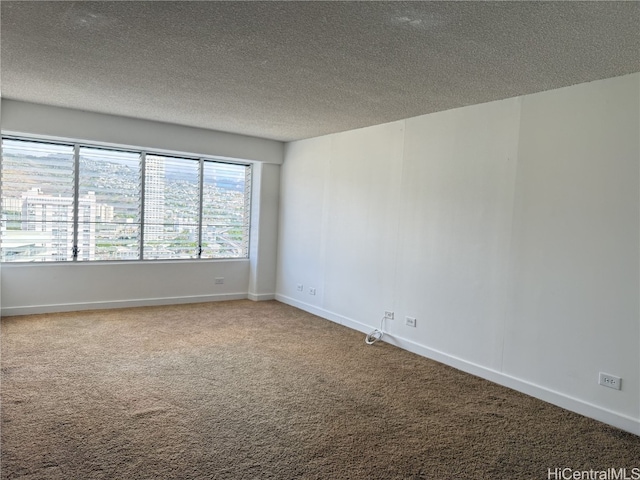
{"type": "Point", "coordinates": [35, 288]}
{"type": "Point", "coordinates": [510, 230]}
{"type": "Point", "coordinates": [38, 288]}
{"type": "Point", "coordinates": [64, 123]}
{"type": "Point", "coordinates": [264, 232]}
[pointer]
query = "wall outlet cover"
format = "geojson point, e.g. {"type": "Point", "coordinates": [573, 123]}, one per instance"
{"type": "Point", "coordinates": [610, 381]}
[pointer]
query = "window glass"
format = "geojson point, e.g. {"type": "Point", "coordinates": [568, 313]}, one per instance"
{"type": "Point", "coordinates": [37, 201]}
{"type": "Point", "coordinates": [109, 205]}
{"type": "Point", "coordinates": [225, 216]}
{"type": "Point", "coordinates": [171, 207]}
{"type": "Point", "coordinates": [126, 205]}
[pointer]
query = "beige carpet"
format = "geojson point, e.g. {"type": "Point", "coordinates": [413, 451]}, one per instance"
{"type": "Point", "coordinates": [246, 390]}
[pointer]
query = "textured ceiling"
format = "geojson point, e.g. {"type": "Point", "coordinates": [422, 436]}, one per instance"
{"type": "Point", "coordinates": [292, 70]}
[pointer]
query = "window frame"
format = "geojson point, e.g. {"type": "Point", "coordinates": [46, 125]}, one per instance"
{"type": "Point", "coordinates": [143, 152]}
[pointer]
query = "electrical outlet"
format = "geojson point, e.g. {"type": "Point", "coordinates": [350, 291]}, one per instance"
{"type": "Point", "coordinates": [312, 291]}
{"type": "Point", "coordinates": [410, 321]}
{"type": "Point", "coordinates": [300, 287]}
{"type": "Point", "coordinates": [610, 381]}
{"type": "Point", "coordinates": [219, 280]}
{"type": "Point", "coordinates": [388, 315]}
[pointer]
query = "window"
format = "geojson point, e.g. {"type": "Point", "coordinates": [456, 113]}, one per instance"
{"type": "Point", "coordinates": [224, 220]}
{"type": "Point", "coordinates": [171, 207]}
{"type": "Point", "coordinates": [72, 202]}
{"type": "Point", "coordinates": [37, 201]}
{"type": "Point", "coordinates": [109, 219]}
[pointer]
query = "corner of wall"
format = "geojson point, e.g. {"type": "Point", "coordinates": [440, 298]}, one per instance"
{"type": "Point", "coordinates": [264, 231]}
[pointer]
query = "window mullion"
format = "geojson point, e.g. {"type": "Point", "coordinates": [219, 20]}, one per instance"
{"type": "Point", "coordinates": [76, 198]}
{"type": "Point", "coordinates": [201, 207]}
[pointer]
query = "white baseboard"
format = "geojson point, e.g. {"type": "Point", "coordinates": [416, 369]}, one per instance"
{"type": "Point", "coordinates": [260, 297]}
{"type": "Point", "coordinates": [142, 302]}
{"type": "Point", "coordinates": [562, 400]}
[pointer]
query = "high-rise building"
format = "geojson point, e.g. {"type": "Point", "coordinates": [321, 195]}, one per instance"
{"type": "Point", "coordinates": [51, 220]}
{"type": "Point", "coordinates": [105, 213]}
{"type": "Point", "coordinates": [87, 227]}
{"type": "Point", "coordinates": [154, 198]}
